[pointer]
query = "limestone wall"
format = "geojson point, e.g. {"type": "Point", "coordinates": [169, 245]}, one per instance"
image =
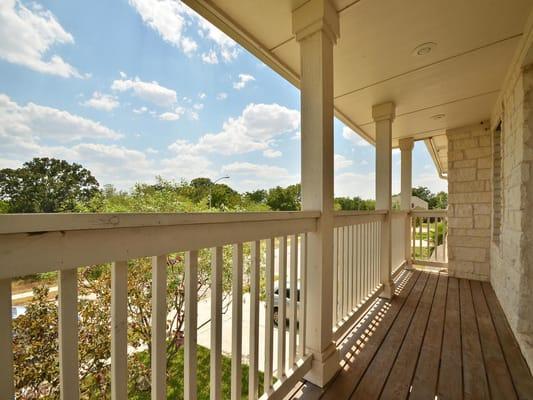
{"type": "Point", "coordinates": [512, 255]}
{"type": "Point", "coordinates": [469, 201]}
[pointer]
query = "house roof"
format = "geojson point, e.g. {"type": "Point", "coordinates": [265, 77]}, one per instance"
{"type": "Point", "coordinates": [376, 60]}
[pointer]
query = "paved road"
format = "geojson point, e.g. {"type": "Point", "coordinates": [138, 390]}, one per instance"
{"type": "Point", "coordinates": [204, 333]}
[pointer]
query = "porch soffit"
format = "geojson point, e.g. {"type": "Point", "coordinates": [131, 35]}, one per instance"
{"type": "Point", "coordinates": [374, 60]}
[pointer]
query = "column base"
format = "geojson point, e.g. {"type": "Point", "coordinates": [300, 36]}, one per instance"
{"type": "Point", "coordinates": [388, 290]}
{"type": "Point", "coordinates": [325, 366]}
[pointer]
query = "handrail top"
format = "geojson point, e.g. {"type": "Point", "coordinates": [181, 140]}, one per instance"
{"type": "Point", "coordinates": [429, 213]}
{"type": "Point", "coordinates": [28, 223]}
{"type": "Point", "coordinates": [359, 212]}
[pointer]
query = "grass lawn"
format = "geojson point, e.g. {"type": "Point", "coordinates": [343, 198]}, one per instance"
{"type": "Point", "coordinates": [175, 380]}
{"type": "Point", "coordinates": [424, 252]}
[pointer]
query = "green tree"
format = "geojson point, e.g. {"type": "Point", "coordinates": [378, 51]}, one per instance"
{"type": "Point", "coordinates": [46, 185]}
{"type": "Point", "coordinates": [354, 203]}
{"type": "Point", "coordinates": [439, 200]}
{"type": "Point", "coordinates": [285, 199]}
{"type": "Point", "coordinates": [224, 197]}
{"type": "Point", "coordinates": [422, 192]}
{"type": "Point", "coordinates": [256, 196]}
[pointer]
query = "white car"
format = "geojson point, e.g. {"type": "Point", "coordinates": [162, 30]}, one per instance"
{"type": "Point", "coordinates": [17, 311]}
{"type": "Point", "coordinates": [276, 304]}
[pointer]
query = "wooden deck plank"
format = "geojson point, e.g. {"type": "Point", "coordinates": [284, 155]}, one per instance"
{"type": "Point", "coordinates": [441, 337]}
{"type": "Point", "coordinates": [474, 374]}
{"type": "Point", "coordinates": [376, 374]}
{"type": "Point", "coordinates": [522, 379]}
{"type": "Point", "coordinates": [450, 382]}
{"type": "Point", "coordinates": [349, 376]}
{"type": "Point", "coordinates": [500, 382]}
{"type": "Point", "coordinates": [398, 383]}
{"type": "Point", "coordinates": [424, 384]}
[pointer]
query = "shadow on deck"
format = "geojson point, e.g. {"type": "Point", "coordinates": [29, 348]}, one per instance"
{"type": "Point", "coordinates": [439, 338]}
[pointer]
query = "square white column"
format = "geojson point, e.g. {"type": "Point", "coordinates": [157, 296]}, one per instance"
{"type": "Point", "coordinates": [316, 26]}
{"type": "Point", "coordinates": [406, 148]}
{"type": "Point", "coordinates": [383, 115]}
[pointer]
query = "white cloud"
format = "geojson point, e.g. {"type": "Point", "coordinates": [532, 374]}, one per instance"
{"type": "Point", "coordinates": [271, 153]}
{"type": "Point", "coordinates": [349, 184]}
{"type": "Point", "coordinates": [168, 19]}
{"type": "Point", "coordinates": [341, 162]}
{"type": "Point", "coordinates": [353, 137]}
{"type": "Point", "coordinates": [33, 122]}
{"type": "Point", "coordinates": [171, 19]}
{"type": "Point", "coordinates": [210, 57]}
{"type": "Point", "coordinates": [102, 101]}
{"type": "Point", "coordinates": [226, 46]}
{"type": "Point", "coordinates": [172, 116]}
{"type": "Point", "coordinates": [198, 106]}
{"type": "Point", "coordinates": [431, 180]}
{"type": "Point", "coordinates": [250, 176]}
{"type": "Point", "coordinates": [202, 95]}
{"type": "Point", "coordinates": [149, 91]}
{"type": "Point", "coordinates": [222, 96]}
{"type": "Point", "coordinates": [253, 130]}
{"type": "Point", "coordinates": [28, 33]}
{"type": "Point", "coordinates": [243, 81]}
{"type": "Point", "coordinates": [194, 115]}
{"type": "Point", "coordinates": [186, 166]}
{"type": "Point", "coordinates": [140, 110]}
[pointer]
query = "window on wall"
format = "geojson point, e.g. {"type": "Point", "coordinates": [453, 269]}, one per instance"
{"type": "Point", "coordinates": [496, 182]}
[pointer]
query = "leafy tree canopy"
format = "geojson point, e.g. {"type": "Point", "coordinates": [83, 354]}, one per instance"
{"type": "Point", "coordinates": [354, 203]}
{"type": "Point", "coordinates": [45, 185]}
{"type": "Point", "coordinates": [438, 200]}
{"type": "Point", "coordinates": [284, 199]}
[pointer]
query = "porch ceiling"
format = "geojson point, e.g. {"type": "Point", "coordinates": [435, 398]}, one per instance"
{"type": "Point", "coordinates": [375, 59]}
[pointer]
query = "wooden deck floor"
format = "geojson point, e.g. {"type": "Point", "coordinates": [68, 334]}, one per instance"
{"type": "Point", "coordinates": [439, 338]}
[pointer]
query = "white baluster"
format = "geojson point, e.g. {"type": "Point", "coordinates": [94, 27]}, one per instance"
{"type": "Point", "coordinates": [119, 330]}
{"type": "Point", "coordinates": [282, 295]}
{"type": "Point", "coordinates": [269, 326]}
{"type": "Point", "coordinates": [236, 323]}
{"type": "Point", "coordinates": [216, 324]}
{"type": "Point", "coordinates": [293, 305]}
{"type": "Point", "coordinates": [253, 380]}
{"type": "Point", "coordinates": [7, 386]}
{"type": "Point", "coordinates": [191, 322]}
{"type": "Point", "coordinates": [68, 334]}
{"type": "Point", "coordinates": [159, 327]}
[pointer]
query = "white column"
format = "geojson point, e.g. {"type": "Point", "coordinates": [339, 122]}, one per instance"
{"type": "Point", "coordinates": [316, 26]}
{"type": "Point", "coordinates": [406, 148]}
{"type": "Point", "coordinates": [383, 115]}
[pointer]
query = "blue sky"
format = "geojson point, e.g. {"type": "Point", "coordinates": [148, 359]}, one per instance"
{"type": "Point", "coordinates": [132, 89]}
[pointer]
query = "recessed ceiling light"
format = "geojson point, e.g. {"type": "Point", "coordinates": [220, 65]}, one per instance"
{"type": "Point", "coordinates": [438, 116]}
{"type": "Point", "coordinates": [424, 49]}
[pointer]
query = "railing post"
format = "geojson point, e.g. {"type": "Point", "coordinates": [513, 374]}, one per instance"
{"type": "Point", "coordinates": [316, 26]}
{"type": "Point", "coordinates": [406, 148]}
{"type": "Point", "coordinates": [383, 115]}
{"type": "Point", "coordinates": [7, 376]}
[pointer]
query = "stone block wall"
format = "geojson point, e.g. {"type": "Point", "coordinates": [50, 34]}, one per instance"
{"type": "Point", "coordinates": [512, 255]}
{"type": "Point", "coordinates": [469, 201]}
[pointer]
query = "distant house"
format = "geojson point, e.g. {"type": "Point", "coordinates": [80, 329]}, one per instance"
{"type": "Point", "coordinates": [416, 203]}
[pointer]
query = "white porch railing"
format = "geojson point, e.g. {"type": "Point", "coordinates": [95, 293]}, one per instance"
{"type": "Point", "coordinates": [400, 223]}
{"type": "Point", "coordinates": [429, 232]}
{"type": "Point", "coordinates": [356, 265]}
{"type": "Point", "coordinates": [62, 242]}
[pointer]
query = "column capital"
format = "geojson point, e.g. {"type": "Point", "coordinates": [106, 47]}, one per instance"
{"type": "Point", "coordinates": [384, 111]}
{"type": "Point", "coordinates": [314, 16]}
{"type": "Point", "coordinates": [406, 144]}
